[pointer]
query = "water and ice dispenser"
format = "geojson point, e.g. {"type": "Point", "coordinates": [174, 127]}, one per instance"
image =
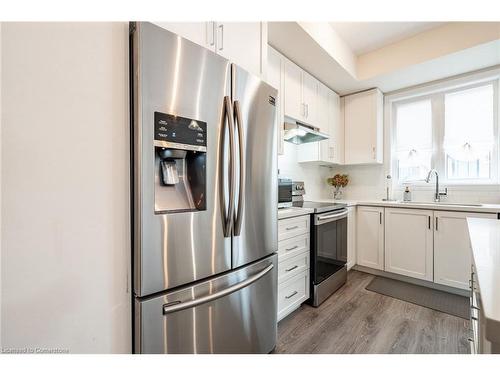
{"type": "Point", "coordinates": [180, 164]}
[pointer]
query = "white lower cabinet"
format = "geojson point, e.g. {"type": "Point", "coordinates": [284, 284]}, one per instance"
{"type": "Point", "coordinates": [452, 252]}
{"type": "Point", "coordinates": [292, 293]}
{"type": "Point", "coordinates": [351, 237]}
{"type": "Point", "coordinates": [370, 237]}
{"type": "Point", "coordinates": [409, 242]}
{"type": "Point", "coordinates": [292, 227]}
{"type": "Point", "coordinates": [430, 245]}
{"type": "Point", "coordinates": [292, 266]}
{"type": "Point", "coordinates": [293, 263]}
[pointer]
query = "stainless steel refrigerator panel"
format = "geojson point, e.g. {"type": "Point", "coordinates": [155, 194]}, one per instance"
{"type": "Point", "coordinates": [256, 219]}
{"type": "Point", "coordinates": [232, 313]}
{"type": "Point", "coordinates": [176, 77]}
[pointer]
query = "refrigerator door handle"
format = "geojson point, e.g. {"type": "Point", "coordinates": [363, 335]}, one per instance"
{"type": "Point", "coordinates": [227, 219]}
{"type": "Point", "coordinates": [178, 306]}
{"type": "Point", "coordinates": [241, 195]}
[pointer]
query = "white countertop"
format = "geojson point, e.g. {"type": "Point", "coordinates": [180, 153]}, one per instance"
{"type": "Point", "coordinates": [484, 208]}
{"type": "Point", "coordinates": [488, 208]}
{"type": "Point", "coordinates": [485, 242]}
{"type": "Point", "coordinates": [284, 213]}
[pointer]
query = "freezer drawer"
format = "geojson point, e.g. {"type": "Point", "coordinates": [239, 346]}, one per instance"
{"type": "Point", "coordinates": [233, 313]}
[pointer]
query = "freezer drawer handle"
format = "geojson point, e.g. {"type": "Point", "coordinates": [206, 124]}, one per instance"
{"type": "Point", "coordinates": [168, 308]}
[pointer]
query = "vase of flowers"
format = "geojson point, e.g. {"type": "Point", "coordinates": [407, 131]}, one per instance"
{"type": "Point", "coordinates": [339, 181]}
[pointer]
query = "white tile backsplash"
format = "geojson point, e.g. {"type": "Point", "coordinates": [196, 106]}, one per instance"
{"type": "Point", "coordinates": [369, 182]}
{"type": "Point", "coordinates": [314, 176]}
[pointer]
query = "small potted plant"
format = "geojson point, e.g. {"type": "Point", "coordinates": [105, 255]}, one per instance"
{"type": "Point", "coordinates": [338, 181]}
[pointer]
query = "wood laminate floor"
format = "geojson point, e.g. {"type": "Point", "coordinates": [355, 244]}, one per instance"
{"type": "Point", "coordinates": [355, 320]}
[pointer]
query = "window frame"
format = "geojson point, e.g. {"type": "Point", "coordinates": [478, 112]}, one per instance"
{"type": "Point", "coordinates": [436, 93]}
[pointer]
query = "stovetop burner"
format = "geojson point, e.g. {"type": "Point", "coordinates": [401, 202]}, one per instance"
{"type": "Point", "coordinates": [319, 207]}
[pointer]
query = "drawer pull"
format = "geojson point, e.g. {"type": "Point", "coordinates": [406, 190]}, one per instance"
{"type": "Point", "coordinates": [291, 269]}
{"type": "Point", "coordinates": [292, 248]}
{"type": "Point", "coordinates": [291, 295]}
{"type": "Point", "coordinates": [291, 228]}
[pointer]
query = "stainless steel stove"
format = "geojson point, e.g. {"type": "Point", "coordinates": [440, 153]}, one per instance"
{"type": "Point", "coordinates": [320, 207]}
{"type": "Point", "coordinates": [328, 245]}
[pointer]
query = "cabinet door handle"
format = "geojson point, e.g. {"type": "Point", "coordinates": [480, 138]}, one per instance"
{"type": "Point", "coordinates": [292, 248]}
{"type": "Point", "coordinates": [437, 224]}
{"type": "Point", "coordinates": [307, 110]}
{"type": "Point", "coordinates": [291, 269]}
{"type": "Point", "coordinates": [221, 28]}
{"type": "Point", "coordinates": [291, 295]}
{"type": "Point", "coordinates": [211, 33]}
{"type": "Point", "coordinates": [429, 222]}
{"type": "Point", "coordinates": [291, 228]}
{"type": "Point", "coordinates": [380, 217]}
{"type": "Point", "coordinates": [374, 152]}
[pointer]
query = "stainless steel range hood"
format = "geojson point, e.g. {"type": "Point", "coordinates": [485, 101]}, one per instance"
{"type": "Point", "coordinates": [298, 133]}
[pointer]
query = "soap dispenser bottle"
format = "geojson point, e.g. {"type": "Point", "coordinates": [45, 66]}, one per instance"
{"type": "Point", "coordinates": [407, 194]}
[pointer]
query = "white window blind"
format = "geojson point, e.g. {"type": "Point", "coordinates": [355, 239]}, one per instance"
{"type": "Point", "coordinates": [413, 139]}
{"type": "Point", "coordinates": [453, 130]}
{"type": "Point", "coordinates": [469, 132]}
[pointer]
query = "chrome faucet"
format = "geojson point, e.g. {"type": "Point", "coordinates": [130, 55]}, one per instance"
{"type": "Point", "coordinates": [437, 194]}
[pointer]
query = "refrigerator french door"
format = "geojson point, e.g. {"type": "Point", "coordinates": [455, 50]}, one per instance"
{"type": "Point", "coordinates": [204, 200]}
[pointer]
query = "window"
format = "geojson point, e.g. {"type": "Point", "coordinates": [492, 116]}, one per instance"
{"type": "Point", "coordinates": [453, 131]}
{"type": "Point", "coordinates": [414, 139]}
{"type": "Point", "coordinates": [469, 133]}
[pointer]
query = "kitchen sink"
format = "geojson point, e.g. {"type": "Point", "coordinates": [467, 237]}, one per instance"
{"type": "Point", "coordinates": [445, 204]}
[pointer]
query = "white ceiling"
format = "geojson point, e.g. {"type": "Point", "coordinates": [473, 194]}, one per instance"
{"type": "Point", "coordinates": [294, 42]}
{"type": "Point", "coordinates": [363, 37]}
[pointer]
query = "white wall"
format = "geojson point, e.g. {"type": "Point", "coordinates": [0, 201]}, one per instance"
{"type": "Point", "coordinates": [314, 176]}
{"type": "Point", "coordinates": [65, 187]}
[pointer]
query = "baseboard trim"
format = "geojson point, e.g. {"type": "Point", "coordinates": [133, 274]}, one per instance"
{"type": "Point", "coordinates": [411, 280]}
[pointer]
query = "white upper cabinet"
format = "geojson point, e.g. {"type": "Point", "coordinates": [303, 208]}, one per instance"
{"type": "Point", "coordinates": [452, 252]}
{"type": "Point", "coordinates": [409, 242]}
{"type": "Point", "coordinates": [322, 108]}
{"type": "Point", "coordinates": [244, 43]}
{"type": "Point", "coordinates": [275, 77]}
{"type": "Point", "coordinates": [310, 99]}
{"type": "Point", "coordinates": [333, 149]}
{"type": "Point", "coordinates": [202, 33]}
{"type": "Point", "coordinates": [294, 106]}
{"type": "Point", "coordinates": [363, 124]}
{"type": "Point", "coordinates": [302, 92]}
{"type": "Point", "coordinates": [370, 237]}
{"type": "Point", "coordinates": [329, 151]}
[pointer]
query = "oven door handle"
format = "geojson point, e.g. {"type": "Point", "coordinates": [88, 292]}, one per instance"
{"type": "Point", "coordinates": [322, 219]}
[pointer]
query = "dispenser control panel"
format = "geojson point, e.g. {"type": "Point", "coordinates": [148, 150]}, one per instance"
{"type": "Point", "coordinates": [180, 132]}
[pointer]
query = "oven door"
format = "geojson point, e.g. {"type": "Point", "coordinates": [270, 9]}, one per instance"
{"type": "Point", "coordinates": [329, 244]}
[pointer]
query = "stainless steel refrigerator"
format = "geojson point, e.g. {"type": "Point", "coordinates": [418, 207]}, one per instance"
{"type": "Point", "coordinates": [204, 200]}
